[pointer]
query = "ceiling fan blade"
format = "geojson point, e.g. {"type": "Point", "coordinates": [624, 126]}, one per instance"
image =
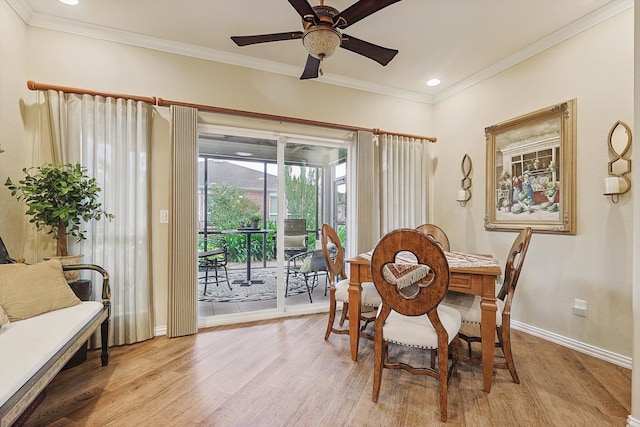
{"type": "Point", "coordinates": [360, 10]}
{"type": "Point", "coordinates": [380, 54]}
{"type": "Point", "coordinates": [304, 9]}
{"type": "Point", "coordinates": [311, 68]}
{"type": "Point", "coordinates": [265, 38]}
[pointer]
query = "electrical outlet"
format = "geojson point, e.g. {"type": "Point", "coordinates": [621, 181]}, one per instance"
{"type": "Point", "coordinates": [580, 308]}
{"type": "Point", "coordinates": [164, 216]}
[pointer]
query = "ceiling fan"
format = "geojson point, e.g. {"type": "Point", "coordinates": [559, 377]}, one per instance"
{"type": "Point", "coordinates": [322, 33]}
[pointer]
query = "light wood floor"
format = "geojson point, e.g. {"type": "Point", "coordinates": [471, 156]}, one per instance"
{"type": "Point", "coordinates": [282, 373]}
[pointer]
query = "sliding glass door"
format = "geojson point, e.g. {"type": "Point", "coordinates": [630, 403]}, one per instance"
{"type": "Point", "coordinates": [249, 199]}
{"type": "Point", "coordinates": [309, 171]}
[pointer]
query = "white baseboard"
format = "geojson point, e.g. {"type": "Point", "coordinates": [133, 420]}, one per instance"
{"type": "Point", "coordinates": [599, 353]}
{"type": "Point", "coordinates": [632, 422]}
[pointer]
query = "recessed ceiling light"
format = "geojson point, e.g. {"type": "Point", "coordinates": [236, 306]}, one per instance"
{"type": "Point", "coordinates": [69, 2]}
{"type": "Point", "coordinates": [243, 154]}
{"type": "Point", "coordinates": [433, 82]}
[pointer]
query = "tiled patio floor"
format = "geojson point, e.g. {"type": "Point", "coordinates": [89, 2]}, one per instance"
{"type": "Point", "coordinates": [206, 308]}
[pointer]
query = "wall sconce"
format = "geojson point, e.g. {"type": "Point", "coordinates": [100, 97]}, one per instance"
{"type": "Point", "coordinates": [619, 143]}
{"type": "Point", "coordinates": [464, 194]}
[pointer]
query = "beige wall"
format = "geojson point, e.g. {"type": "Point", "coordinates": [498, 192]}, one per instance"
{"type": "Point", "coordinates": [63, 59]}
{"type": "Point", "coordinates": [596, 68]}
{"type": "Point", "coordinates": [13, 138]}
{"type": "Point", "coordinates": [635, 379]}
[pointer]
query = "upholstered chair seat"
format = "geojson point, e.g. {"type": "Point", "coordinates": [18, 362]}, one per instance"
{"type": "Point", "coordinates": [469, 307]}
{"type": "Point", "coordinates": [417, 331]}
{"type": "Point", "coordinates": [368, 296]}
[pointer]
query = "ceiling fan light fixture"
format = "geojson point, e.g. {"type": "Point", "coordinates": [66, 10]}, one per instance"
{"type": "Point", "coordinates": [321, 41]}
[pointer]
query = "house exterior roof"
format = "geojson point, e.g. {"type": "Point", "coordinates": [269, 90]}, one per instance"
{"type": "Point", "coordinates": [240, 176]}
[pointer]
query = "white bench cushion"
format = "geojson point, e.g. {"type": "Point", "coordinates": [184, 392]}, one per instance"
{"type": "Point", "coordinates": [27, 345]}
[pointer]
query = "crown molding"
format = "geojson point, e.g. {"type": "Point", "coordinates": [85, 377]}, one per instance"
{"type": "Point", "coordinates": [22, 9]}
{"type": "Point", "coordinates": [118, 36]}
{"type": "Point", "coordinates": [34, 19]}
{"type": "Point", "coordinates": [588, 21]}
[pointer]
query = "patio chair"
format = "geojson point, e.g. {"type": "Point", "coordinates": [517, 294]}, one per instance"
{"type": "Point", "coordinates": [215, 260]}
{"type": "Point", "coordinates": [295, 237]}
{"type": "Point", "coordinates": [312, 263]}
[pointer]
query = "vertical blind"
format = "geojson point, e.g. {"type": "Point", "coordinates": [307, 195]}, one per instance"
{"type": "Point", "coordinates": [182, 310]}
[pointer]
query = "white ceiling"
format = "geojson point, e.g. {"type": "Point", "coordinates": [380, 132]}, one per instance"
{"type": "Point", "coordinates": [461, 42]}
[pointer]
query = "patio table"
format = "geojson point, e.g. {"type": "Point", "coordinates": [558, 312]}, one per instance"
{"type": "Point", "coordinates": [248, 232]}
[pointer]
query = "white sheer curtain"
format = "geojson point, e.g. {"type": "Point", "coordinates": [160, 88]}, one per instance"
{"type": "Point", "coordinates": [111, 138]}
{"type": "Point", "coordinates": [403, 174]}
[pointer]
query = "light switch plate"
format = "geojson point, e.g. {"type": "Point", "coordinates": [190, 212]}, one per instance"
{"type": "Point", "coordinates": [164, 216]}
{"type": "Point", "coordinates": [580, 308]}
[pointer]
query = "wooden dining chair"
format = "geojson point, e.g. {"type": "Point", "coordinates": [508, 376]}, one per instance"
{"type": "Point", "coordinates": [339, 284]}
{"type": "Point", "coordinates": [411, 314]}
{"type": "Point", "coordinates": [436, 233]}
{"type": "Point", "coordinates": [469, 306]}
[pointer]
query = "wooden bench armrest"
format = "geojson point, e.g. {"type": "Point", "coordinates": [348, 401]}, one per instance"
{"type": "Point", "coordinates": [106, 288]}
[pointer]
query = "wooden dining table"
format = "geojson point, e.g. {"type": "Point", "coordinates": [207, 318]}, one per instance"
{"type": "Point", "coordinates": [477, 277]}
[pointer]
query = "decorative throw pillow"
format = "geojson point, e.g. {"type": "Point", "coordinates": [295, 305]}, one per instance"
{"type": "Point", "coordinates": [4, 320]}
{"type": "Point", "coordinates": [29, 290]}
{"type": "Point", "coordinates": [306, 265]}
{"type": "Point", "coordinates": [294, 241]}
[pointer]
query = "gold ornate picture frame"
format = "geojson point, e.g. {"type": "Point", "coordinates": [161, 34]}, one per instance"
{"type": "Point", "coordinates": [531, 171]}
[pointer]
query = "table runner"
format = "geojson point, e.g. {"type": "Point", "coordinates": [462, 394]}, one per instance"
{"type": "Point", "coordinates": [403, 273]}
{"type": "Point", "coordinates": [406, 271]}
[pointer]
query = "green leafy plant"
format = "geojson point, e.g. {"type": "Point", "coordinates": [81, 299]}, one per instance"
{"type": "Point", "coordinates": [59, 197]}
{"type": "Point", "coordinates": [300, 189]}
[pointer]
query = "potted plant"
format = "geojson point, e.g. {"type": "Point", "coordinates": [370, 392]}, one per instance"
{"type": "Point", "coordinates": [255, 221]}
{"type": "Point", "coordinates": [59, 197]}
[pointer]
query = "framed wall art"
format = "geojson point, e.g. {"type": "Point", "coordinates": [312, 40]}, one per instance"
{"type": "Point", "coordinates": [531, 171]}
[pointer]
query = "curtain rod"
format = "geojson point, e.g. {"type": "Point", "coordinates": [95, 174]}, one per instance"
{"type": "Point", "coordinates": [39, 86]}
{"type": "Point", "coordinates": [166, 103]}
